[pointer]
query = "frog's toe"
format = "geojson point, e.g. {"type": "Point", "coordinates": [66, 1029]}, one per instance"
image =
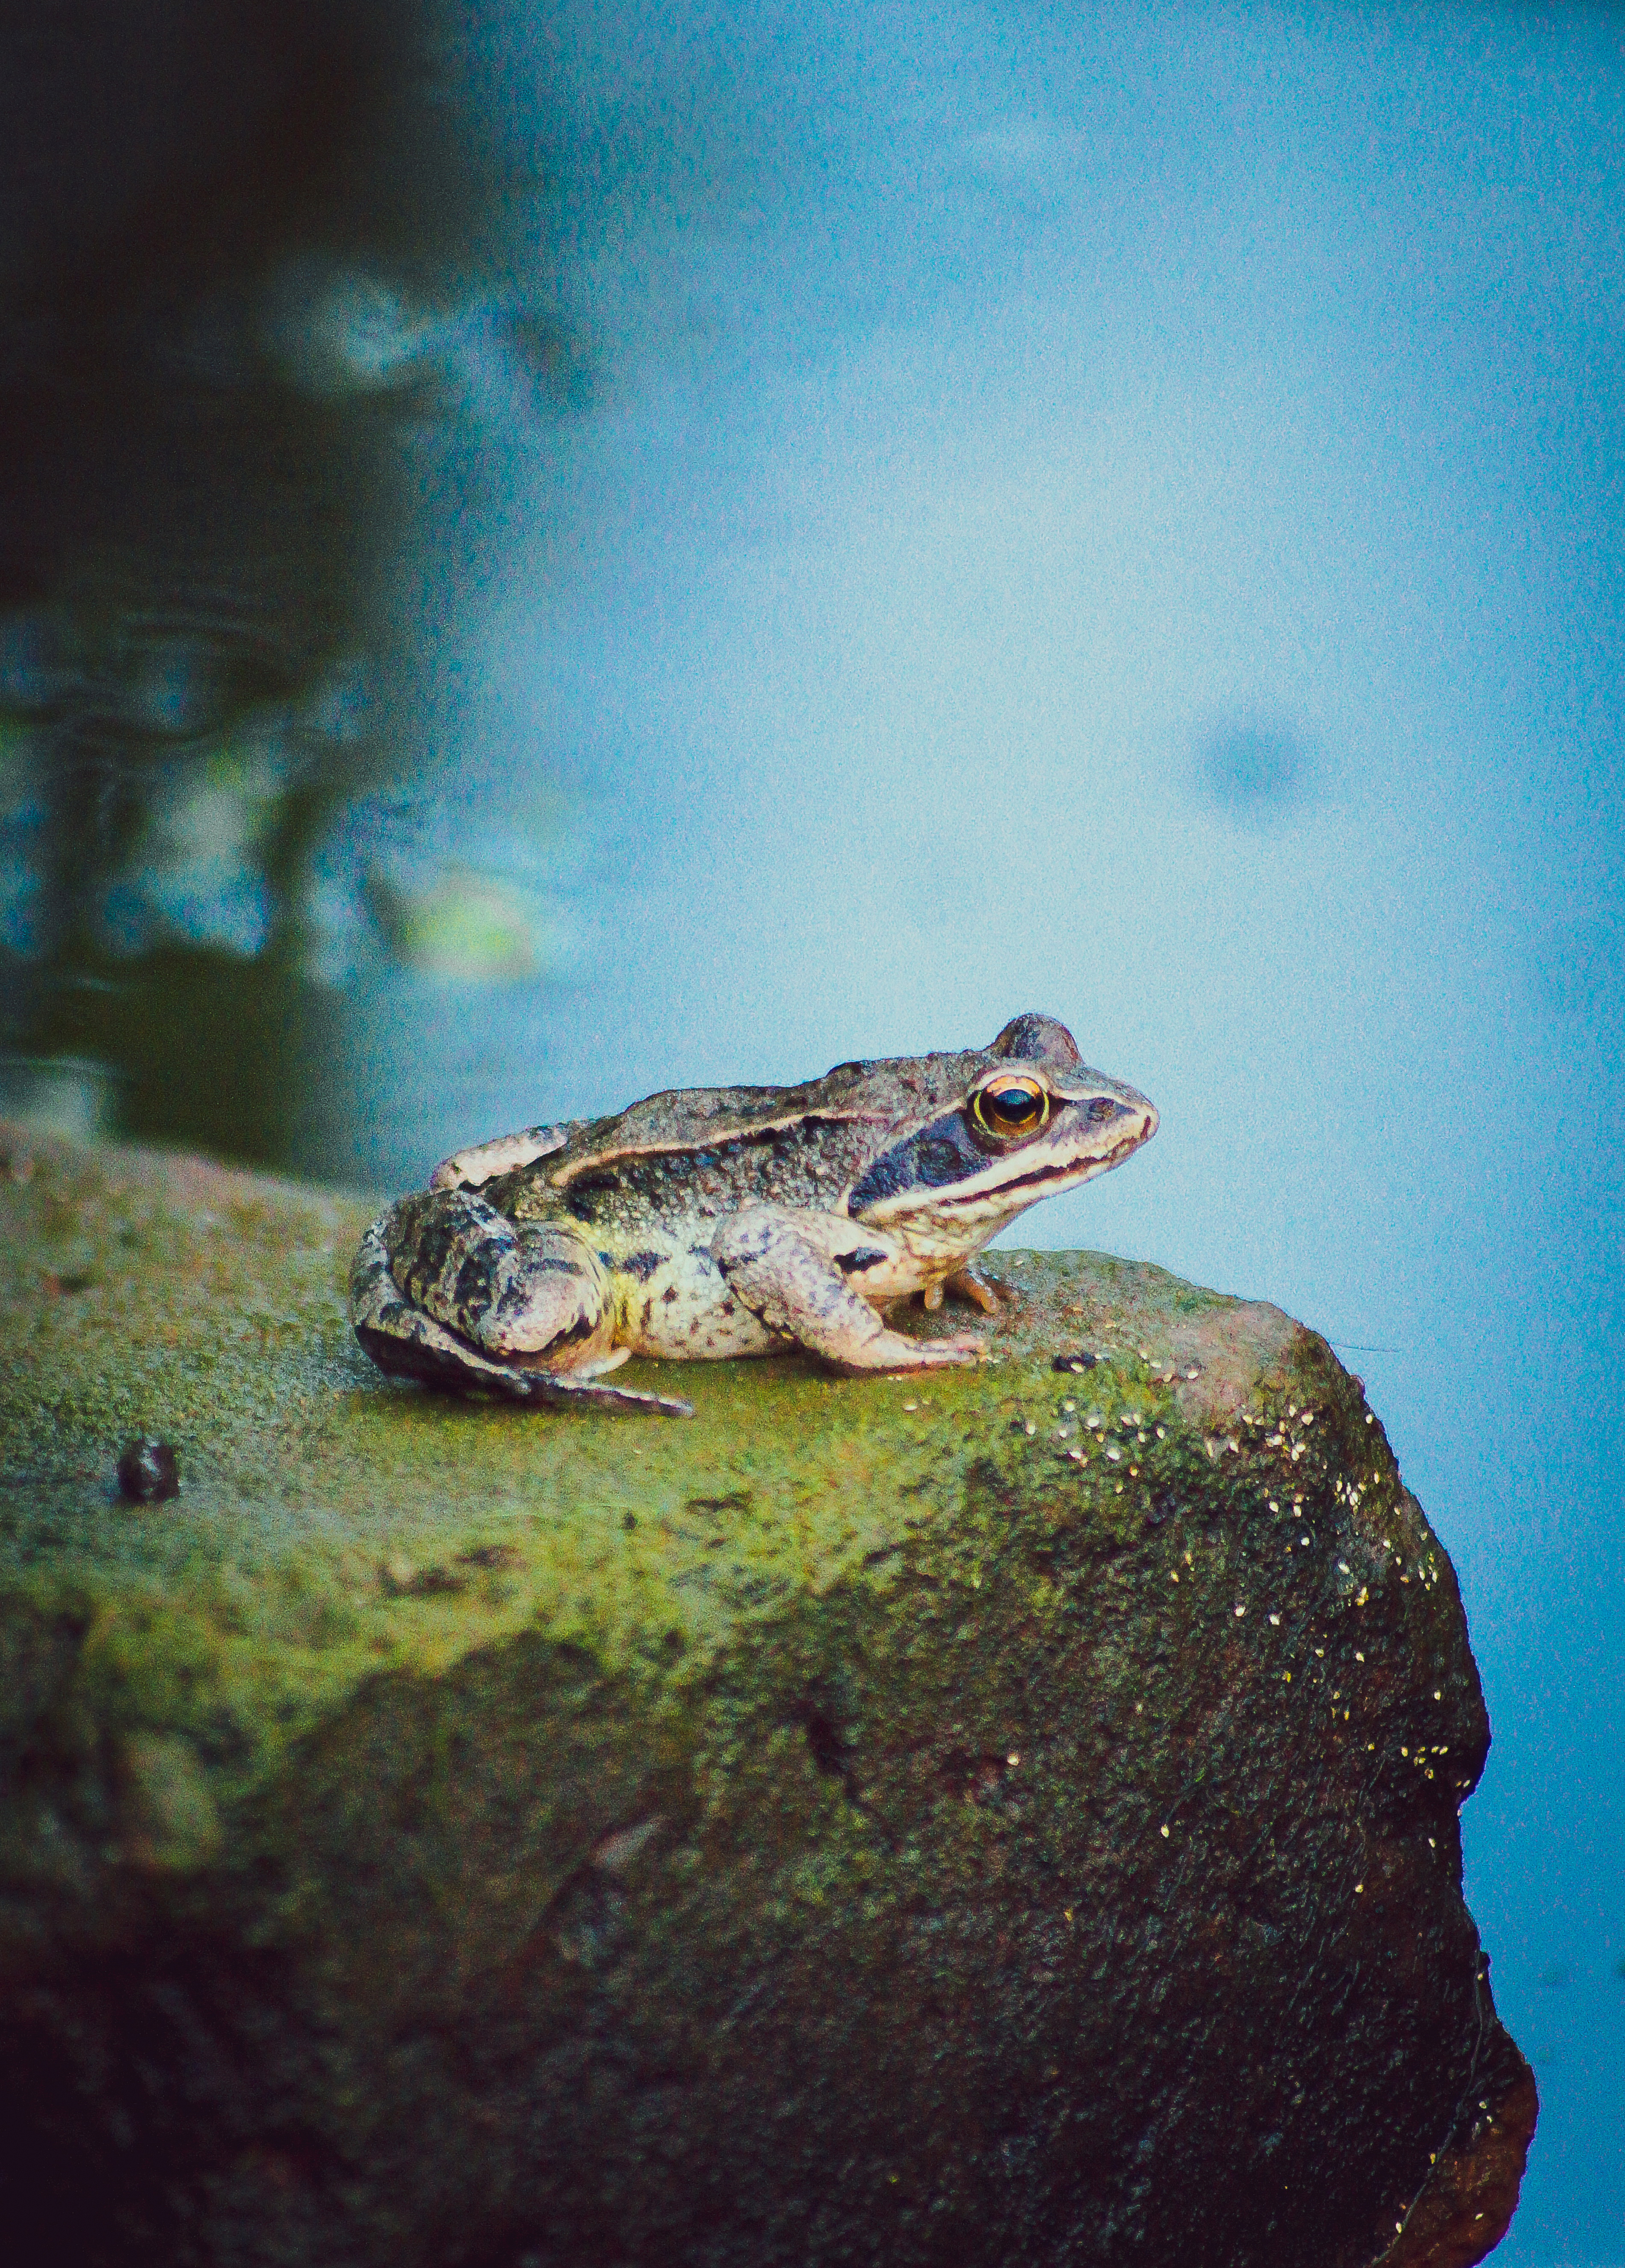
{"type": "Point", "coordinates": [892, 1350]}
{"type": "Point", "coordinates": [961, 1349]}
{"type": "Point", "coordinates": [969, 1285]}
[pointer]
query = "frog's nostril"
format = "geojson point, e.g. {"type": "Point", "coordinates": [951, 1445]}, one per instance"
{"type": "Point", "coordinates": [1104, 1109]}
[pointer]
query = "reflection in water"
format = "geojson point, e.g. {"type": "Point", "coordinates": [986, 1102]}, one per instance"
{"type": "Point", "coordinates": [1114, 512]}
{"type": "Point", "coordinates": [241, 333]}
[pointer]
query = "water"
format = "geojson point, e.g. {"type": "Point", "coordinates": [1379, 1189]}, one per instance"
{"type": "Point", "coordinates": [1118, 516]}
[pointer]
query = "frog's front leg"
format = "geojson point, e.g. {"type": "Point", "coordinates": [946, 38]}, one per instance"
{"type": "Point", "coordinates": [447, 1289]}
{"type": "Point", "coordinates": [800, 1294]}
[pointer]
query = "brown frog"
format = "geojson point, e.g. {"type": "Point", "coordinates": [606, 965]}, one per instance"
{"type": "Point", "coordinates": [713, 1222]}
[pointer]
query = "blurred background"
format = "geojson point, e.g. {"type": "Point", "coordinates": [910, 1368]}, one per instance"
{"type": "Point", "coordinates": [552, 549]}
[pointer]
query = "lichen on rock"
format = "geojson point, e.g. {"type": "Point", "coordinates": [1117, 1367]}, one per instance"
{"type": "Point", "coordinates": [1007, 1815]}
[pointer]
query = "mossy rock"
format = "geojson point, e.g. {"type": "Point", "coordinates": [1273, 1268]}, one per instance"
{"type": "Point", "coordinates": [1006, 1815]}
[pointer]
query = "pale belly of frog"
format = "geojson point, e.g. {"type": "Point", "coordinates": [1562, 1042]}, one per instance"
{"type": "Point", "coordinates": [674, 1300]}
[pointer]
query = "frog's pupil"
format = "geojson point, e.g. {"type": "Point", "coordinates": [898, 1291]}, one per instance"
{"type": "Point", "coordinates": [1013, 1106]}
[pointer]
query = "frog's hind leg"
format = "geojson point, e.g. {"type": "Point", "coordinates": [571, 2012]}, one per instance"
{"type": "Point", "coordinates": [447, 1290]}
{"type": "Point", "coordinates": [530, 1293]}
{"type": "Point", "coordinates": [401, 1338]}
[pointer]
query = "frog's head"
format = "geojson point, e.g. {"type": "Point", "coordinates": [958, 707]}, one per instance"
{"type": "Point", "coordinates": [1022, 1119]}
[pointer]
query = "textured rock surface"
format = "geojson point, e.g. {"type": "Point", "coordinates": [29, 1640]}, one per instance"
{"type": "Point", "coordinates": [877, 1821]}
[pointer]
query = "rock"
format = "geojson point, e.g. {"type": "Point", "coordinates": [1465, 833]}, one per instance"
{"type": "Point", "coordinates": [147, 1472]}
{"type": "Point", "coordinates": [1008, 1817]}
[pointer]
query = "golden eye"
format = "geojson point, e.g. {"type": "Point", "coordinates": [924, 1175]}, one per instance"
{"type": "Point", "coordinates": [1011, 1107]}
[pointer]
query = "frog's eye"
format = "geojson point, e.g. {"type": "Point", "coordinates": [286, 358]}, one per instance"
{"type": "Point", "coordinates": [1011, 1107]}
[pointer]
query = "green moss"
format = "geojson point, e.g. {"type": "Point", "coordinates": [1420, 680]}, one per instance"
{"type": "Point", "coordinates": [514, 1774]}
{"type": "Point", "coordinates": [331, 1524]}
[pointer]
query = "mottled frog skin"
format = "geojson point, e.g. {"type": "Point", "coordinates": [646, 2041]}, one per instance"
{"type": "Point", "coordinates": [715, 1222]}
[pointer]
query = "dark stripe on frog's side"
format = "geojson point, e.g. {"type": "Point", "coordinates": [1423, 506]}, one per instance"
{"type": "Point", "coordinates": [938, 1155]}
{"type": "Point", "coordinates": [866, 1256]}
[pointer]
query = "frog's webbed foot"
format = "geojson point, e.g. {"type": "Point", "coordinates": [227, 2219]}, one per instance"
{"type": "Point", "coordinates": [431, 1279]}
{"type": "Point", "coordinates": [792, 1288]}
{"type": "Point", "coordinates": [964, 1284]}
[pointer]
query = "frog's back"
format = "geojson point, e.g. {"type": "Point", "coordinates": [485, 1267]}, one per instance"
{"type": "Point", "coordinates": [879, 1095]}
{"type": "Point", "coordinates": [691, 1153]}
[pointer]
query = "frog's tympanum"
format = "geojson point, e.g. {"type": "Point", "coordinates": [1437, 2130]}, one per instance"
{"type": "Point", "coordinates": [735, 1221]}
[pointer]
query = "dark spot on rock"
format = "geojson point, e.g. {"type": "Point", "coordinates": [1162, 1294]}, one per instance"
{"type": "Point", "coordinates": [585, 1919]}
{"type": "Point", "coordinates": [668, 1295]}
{"type": "Point", "coordinates": [736, 1500]}
{"type": "Point", "coordinates": [421, 1582]}
{"type": "Point", "coordinates": [972, 1778]}
{"type": "Point", "coordinates": [1073, 1362]}
{"type": "Point", "coordinates": [831, 1751]}
{"type": "Point", "coordinates": [628, 1521]}
{"type": "Point", "coordinates": [149, 1471]}
{"type": "Point", "coordinates": [66, 1280]}
{"type": "Point", "coordinates": [491, 1555]}
{"type": "Point", "coordinates": [641, 1265]}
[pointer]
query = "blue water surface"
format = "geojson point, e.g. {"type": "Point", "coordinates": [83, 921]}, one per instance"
{"type": "Point", "coordinates": [1119, 512]}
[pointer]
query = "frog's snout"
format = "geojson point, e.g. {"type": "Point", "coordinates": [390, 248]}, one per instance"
{"type": "Point", "coordinates": [1127, 1102]}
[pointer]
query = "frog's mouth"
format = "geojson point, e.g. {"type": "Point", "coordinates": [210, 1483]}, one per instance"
{"type": "Point", "coordinates": [1042, 1178]}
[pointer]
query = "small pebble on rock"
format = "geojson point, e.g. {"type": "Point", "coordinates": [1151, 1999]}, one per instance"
{"type": "Point", "coordinates": [148, 1470]}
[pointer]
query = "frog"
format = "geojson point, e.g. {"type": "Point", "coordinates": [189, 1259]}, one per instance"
{"type": "Point", "coordinates": [715, 1222]}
